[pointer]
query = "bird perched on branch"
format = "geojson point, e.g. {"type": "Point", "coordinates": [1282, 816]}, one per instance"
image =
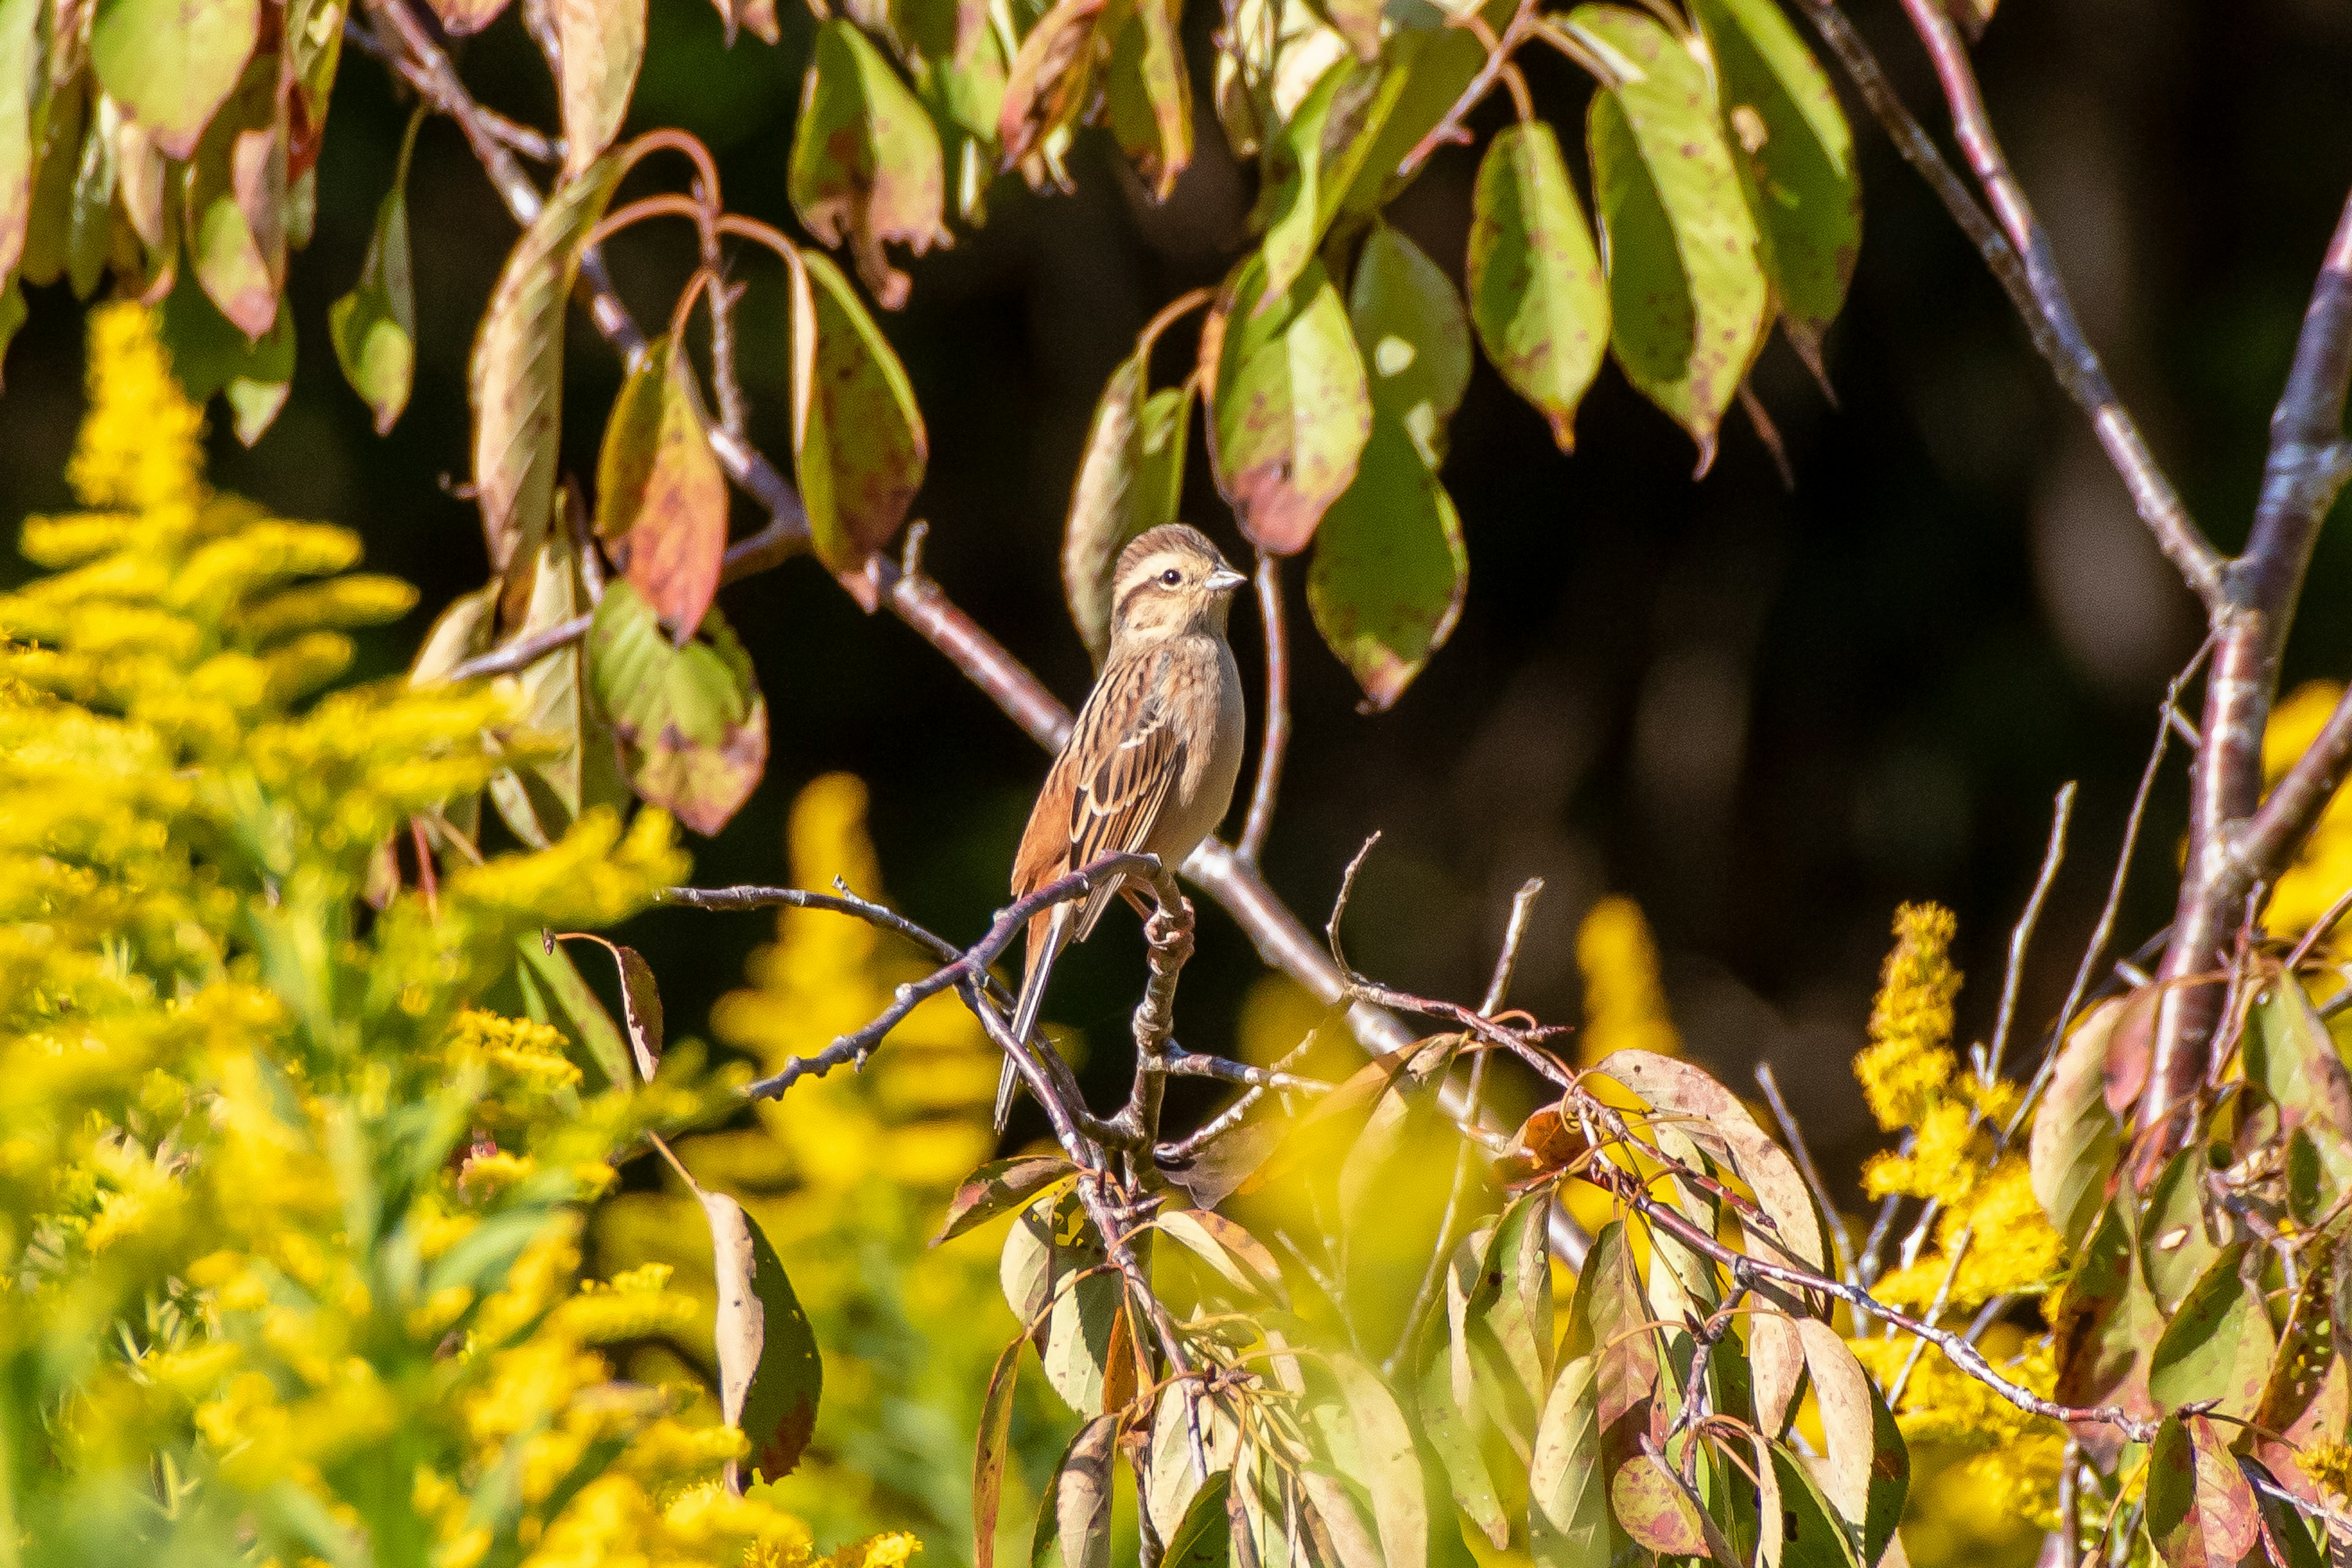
{"type": "Point", "coordinates": [1151, 762]}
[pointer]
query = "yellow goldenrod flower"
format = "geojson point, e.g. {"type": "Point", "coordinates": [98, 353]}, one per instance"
{"type": "Point", "coordinates": [1909, 1060]}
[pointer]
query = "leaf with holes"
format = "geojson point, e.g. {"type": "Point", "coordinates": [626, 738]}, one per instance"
{"type": "Point", "coordinates": [2199, 1508]}
{"type": "Point", "coordinates": [1130, 480]}
{"type": "Point", "coordinates": [1289, 409]}
{"type": "Point", "coordinates": [516, 379]}
{"type": "Point", "coordinates": [600, 45]}
{"type": "Point", "coordinates": [1537, 293]}
{"type": "Point", "coordinates": [866, 161]}
{"type": "Point", "coordinates": [2290, 1053]}
{"type": "Point", "coordinates": [1792, 144]}
{"type": "Point", "coordinates": [2175, 1246]}
{"type": "Point", "coordinates": [2218, 1346]}
{"type": "Point", "coordinates": [692, 724]}
{"type": "Point", "coordinates": [1414, 336]}
{"type": "Point", "coordinates": [770, 1375]}
{"type": "Point", "coordinates": [171, 64]}
{"type": "Point", "coordinates": [1001, 1187]}
{"type": "Point", "coordinates": [2076, 1139]}
{"type": "Point", "coordinates": [858, 443]}
{"type": "Point", "coordinates": [659, 487]}
{"type": "Point", "coordinates": [1686, 289]}
{"type": "Point", "coordinates": [374, 325]}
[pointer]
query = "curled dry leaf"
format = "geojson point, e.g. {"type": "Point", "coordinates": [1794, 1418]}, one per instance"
{"type": "Point", "coordinates": [1050, 82]}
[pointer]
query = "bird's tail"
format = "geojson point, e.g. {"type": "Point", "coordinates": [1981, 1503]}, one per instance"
{"type": "Point", "coordinates": [1044, 948]}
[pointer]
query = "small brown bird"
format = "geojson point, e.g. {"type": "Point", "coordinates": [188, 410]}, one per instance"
{"type": "Point", "coordinates": [1150, 762]}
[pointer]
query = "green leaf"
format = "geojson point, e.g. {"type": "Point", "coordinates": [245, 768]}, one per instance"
{"type": "Point", "coordinates": [21, 66]}
{"type": "Point", "coordinates": [1374, 1449]}
{"type": "Point", "coordinates": [858, 443]}
{"type": "Point", "coordinates": [1000, 1187]}
{"type": "Point", "coordinates": [59, 138]}
{"type": "Point", "coordinates": [557, 995]}
{"type": "Point", "coordinates": [1505, 1319]}
{"type": "Point", "coordinates": [1296, 198]}
{"type": "Point", "coordinates": [1051, 82]}
{"type": "Point", "coordinates": [1130, 480]}
{"type": "Point", "coordinates": [1794, 148]}
{"type": "Point", "coordinates": [2200, 1508]}
{"type": "Point", "coordinates": [1454, 1433]}
{"type": "Point", "coordinates": [374, 325]}
{"type": "Point", "coordinates": [209, 355]}
{"type": "Point", "coordinates": [1535, 287]}
{"type": "Point", "coordinates": [2075, 1137]}
{"type": "Point", "coordinates": [865, 163]}
{"type": "Point", "coordinates": [1568, 1521]}
{"type": "Point", "coordinates": [692, 724]}
{"type": "Point", "coordinates": [1687, 291]}
{"type": "Point", "coordinates": [515, 381]}
{"type": "Point", "coordinates": [2290, 1053]}
{"type": "Point", "coordinates": [2219, 1344]}
{"type": "Point", "coordinates": [1289, 409]}
{"type": "Point", "coordinates": [236, 203]}
{"type": "Point", "coordinates": [173, 63]}
{"type": "Point", "coordinates": [659, 488]}
{"type": "Point", "coordinates": [1074, 1337]}
{"type": "Point", "coordinates": [2108, 1323]}
{"type": "Point", "coordinates": [1390, 569]}
{"type": "Point", "coordinates": [1205, 1538]}
{"type": "Point", "coordinates": [1415, 339]}
{"type": "Point", "coordinates": [1148, 98]}
{"type": "Point", "coordinates": [1239, 1258]}
{"type": "Point", "coordinates": [2175, 1247]}
{"type": "Point", "coordinates": [541, 799]}
{"type": "Point", "coordinates": [314, 38]}
{"type": "Point", "coordinates": [90, 224]}
{"type": "Point", "coordinates": [600, 45]}
{"type": "Point", "coordinates": [1800, 1528]}
{"type": "Point", "coordinates": [1867, 1471]}
{"type": "Point", "coordinates": [770, 1374]}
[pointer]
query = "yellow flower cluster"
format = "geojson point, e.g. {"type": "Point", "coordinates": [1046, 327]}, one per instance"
{"type": "Point", "coordinates": [1909, 1060]}
{"type": "Point", "coordinates": [2329, 1465]}
{"type": "Point", "coordinates": [1625, 1006]}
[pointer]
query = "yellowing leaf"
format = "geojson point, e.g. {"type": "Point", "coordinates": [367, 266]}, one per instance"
{"type": "Point", "coordinates": [692, 724]}
{"type": "Point", "coordinates": [865, 163]}
{"type": "Point", "coordinates": [2199, 1508]}
{"type": "Point", "coordinates": [374, 325]}
{"type": "Point", "coordinates": [1128, 481]}
{"type": "Point", "coordinates": [543, 797]}
{"type": "Point", "coordinates": [236, 203]}
{"type": "Point", "coordinates": [173, 63]}
{"type": "Point", "coordinates": [20, 67]}
{"type": "Point", "coordinates": [770, 1375]}
{"type": "Point", "coordinates": [1148, 98]}
{"type": "Point", "coordinates": [1289, 410]}
{"type": "Point", "coordinates": [858, 443]}
{"type": "Point", "coordinates": [1536, 289]}
{"type": "Point", "coordinates": [601, 44]}
{"type": "Point", "coordinates": [660, 489]}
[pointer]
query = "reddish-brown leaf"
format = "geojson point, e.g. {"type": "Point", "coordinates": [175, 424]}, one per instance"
{"type": "Point", "coordinates": [989, 1456]}
{"type": "Point", "coordinates": [459, 17]}
{"type": "Point", "coordinates": [858, 443]}
{"type": "Point", "coordinates": [1000, 1187]}
{"type": "Point", "coordinates": [2200, 1508]}
{"type": "Point", "coordinates": [659, 481]}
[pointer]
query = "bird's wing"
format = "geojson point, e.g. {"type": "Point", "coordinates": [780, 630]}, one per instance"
{"type": "Point", "coordinates": [1106, 790]}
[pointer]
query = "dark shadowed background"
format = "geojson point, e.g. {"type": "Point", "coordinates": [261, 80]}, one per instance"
{"type": "Point", "coordinates": [1768, 715]}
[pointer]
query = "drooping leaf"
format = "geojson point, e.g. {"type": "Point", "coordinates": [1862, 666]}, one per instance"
{"type": "Point", "coordinates": [1568, 1521]}
{"type": "Point", "coordinates": [1174, 1486]}
{"type": "Point", "coordinates": [2290, 1053]}
{"type": "Point", "coordinates": [770, 1374]}
{"type": "Point", "coordinates": [600, 46]}
{"type": "Point", "coordinates": [692, 724]}
{"type": "Point", "coordinates": [1414, 337]}
{"type": "Point", "coordinates": [210, 355]}
{"type": "Point", "coordinates": [171, 64]}
{"type": "Point", "coordinates": [2175, 1247]}
{"type": "Point", "coordinates": [2307, 1397]}
{"type": "Point", "coordinates": [1147, 97]}
{"type": "Point", "coordinates": [865, 163]}
{"type": "Point", "coordinates": [1454, 1433]}
{"type": "Point", "coordinates": [1374, 1448]}
{"type": "Point", "coordinates": [58, 143]}
{"type": "Point", "coordinates": [660, 489]}
{"type": "Point", "coordinates": [555, 992]}
{"type": "Point", "coordinates": [1800, 1529]}
{"type": "Point", "coordinates": [992, 1452]}
{"type": "Point", "coordinates": [858, 443]}
{"type": "Point", "coordinates": [1000, 1187]}
{"type": "Point", "coordinates": [1776, 1359]}
{"type": "Point", "coordinates": [20, 68]}
{"type": "Point", "coordinates": [516, 379]}
{"type": "Point", "coordinates": [641, 1008]}
{"type": "Point", "coordinates": [1686, 289]}
{"type": "Point", "coordinates": [1535, 287]}
{"type": "Point", "coordinates": [2076, 1139]}
{"type": "Point", "coordinates": [1792, 144]}
{"type": "Point", "coordinates": [2219, 1344]}
{"type": "Point", "coordinates": [1296, 200]}
{"type": "Point", "coordinates": [459, 17]}
{"type": "Point", "coordinates": [1073, 1522]}
{"type": "Point", "coordinates": [1866, 1472]}
{"type": "Point", "coordinates": [2289, 1539]}
{"type": "Point", "coordinates": [1390, 569]}
{"type": "Point", "coordinates": [236, 202]}
{"type": "Point", "coordinates": [1051, 82]}
{"type": "Point", "coordinates": [1048, 1245]}
{"type": "Point", "coordinates": [1204, 1540]}
{"type": "Point", "coordinates": [1289, 408]}
{"type": "Point", "coordinates": [374, 325]}
{"type": "Point", "coordinates": [1128, 481]}
{"type": "Point", "coordinates": [314, 47]}
{"type": "Point", "coordinates": [541, 799]}
{"type": "Point", "coordinates": [1239, 1258]}
{"type": "Point", "coordinates": [2105, 1330]}
{"type": "Point", "coordinates": [2199, 1508]}
{"type": "Point", "coordinates": [1505, 1326]}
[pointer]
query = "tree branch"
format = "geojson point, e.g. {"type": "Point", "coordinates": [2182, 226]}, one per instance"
{"type": "Point", "coordinates": [1276, 743]}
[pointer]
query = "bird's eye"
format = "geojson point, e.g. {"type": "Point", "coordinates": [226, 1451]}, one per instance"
{"type": "Point", "coordinates": [1171, 577]}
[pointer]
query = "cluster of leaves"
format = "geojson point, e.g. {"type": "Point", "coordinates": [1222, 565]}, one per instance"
{"type": "Point", "coordinates": [291, 1222]}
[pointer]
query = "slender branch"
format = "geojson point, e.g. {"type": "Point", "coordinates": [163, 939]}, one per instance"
{"type": "Point", "coordinates": [1180, 1063]}
{"type": "Point", "coordinates": [1499, 60]}
{"type": "Point", "coordinates": [750, 897]}
{"type": "Point", "coordinates": [1795, 1138]}
{"type": "Point", "coordinates": [1271, 750]}
{"type": "Point", "coordinates": [1168, 936]}
{"type": "Point", "coordinates": [2227, 855]}
{"type": "Point", "coordinates": [524, 651]}
{"type": "Point", "coordinates": [2030, 280]}
{"type": "Point", "coordinates": [2021, 937]}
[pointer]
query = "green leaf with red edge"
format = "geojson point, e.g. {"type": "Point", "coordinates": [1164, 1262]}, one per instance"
{"type": "Point", "coordinates": [314, 44]}
{"type": "Point", "coordinates": [769, 1374]}
{"type": "Point", "coordinates": [1289, 408]}
{"type": "Point", "coordinates": [692, 724]}
{"type": "Point", "coordinates": [1536, 293]}
{"type": "Point", "coordinates": [2076, 1139]}
{"type": "Point", "coordinates": [541, 799]}
{"type": "Point", "coordinates": [1794, 151]}
{"type": "Point", "coordinates": [989, 1454]}
{"type": "Point", "coordinates": [209, 355]}
{"type": "Point", "coordinates": [1130, 480]}
{"type": "Point", "coordinates": [236, 202]}
{"type": "Point", "coordinates": [865, 162]}
{"type": "Point", "coordinates": [1073, 1522]}
{"type": "Point", "coordinates": [459, 17]}
{"type": "Point", "coordinates": [1000, 1187]}
{"type": "Point", "coordinates": [374, 325]}
{"type": "Point", "coordinates": [2200, 1508]}
{"type": "Point", "coordinates": [515, 381]}
{"type": "Point", "coordinates": [21, 68]}
{"type": "Point", "coordinates": [2218, 1346]}
{"type": "Point", "coordinates": [858, 443]}
{"type": "Point", "coordinates": [600, 45]}
{"type": "Point", "coordinates": [1147, 97]}
{"type": "Point", "coordinates": [1686, 289]}
{"type": "Point", "coordinates": [659, 488]}
{"type": "Point", "coordinates": [171, 64]}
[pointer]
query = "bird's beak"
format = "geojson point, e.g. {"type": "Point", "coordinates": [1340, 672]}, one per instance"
{"type": "Point", "coordinates": [1225, 580]}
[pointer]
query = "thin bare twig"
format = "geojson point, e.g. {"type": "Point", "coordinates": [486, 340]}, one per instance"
{"type": "Point", "coordinates": [2021, 937]}
{"type": "Point", "coordinates": [1271, 749]}
{"type": "Point", "coordinates": [1795, 1139]}
{"type": "Point", "coordinates": [524, 651]}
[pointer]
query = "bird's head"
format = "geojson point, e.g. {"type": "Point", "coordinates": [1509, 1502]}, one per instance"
{"type": "Point", "coordinates": [1171, 581]}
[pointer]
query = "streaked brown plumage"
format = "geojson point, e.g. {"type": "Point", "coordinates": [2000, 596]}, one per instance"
{"type": "Point", "coordinates": [1152, 759]}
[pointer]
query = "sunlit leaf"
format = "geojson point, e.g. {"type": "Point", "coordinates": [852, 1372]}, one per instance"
{"type": "Point", "coordinates": [1205, 1538]}
{"type": "Point", "coordinates": [20, 69]}
{"type": "Point", "coordinates": [1051, 82]}
{"type": "Point", "coordinates": [1374, 1449]}
{"type": "Point", "coordinates": [770, 1374]}
{"type": "Point", "coordinates": [1290, 412]}
{"type": "Point", "coordinates": [1415, 339]}
{"type": "Point", "coordinates": [516, 378]}
{"type": "Point", "coordinates": [2290, 1053]}
{"type": "Point", "coordinates": [1867, 1471]}
{"type": "Point", "coordinates": [1239, 1258]}
{"type": "Point", "coordinates": [374, 325]}
{"type": "Point", "coordinates": [555, 992]}
{"type": "Point", "coordinates": [1047, 1245]}
{"type": "Point", "coordinates": [2219, 1344]}
{"type": "Point", "coordinates": [1073, 1522]}
{"type": "Point", "coordinates": [1568, 1522]}
{"type": "Point", "coordinates": [2076, 1139]}
{"type": "Point", "coordinates": [1130, 480]}
{"type": "Point", "coordinates": [859, 442]}
{"type": "Point", "coordinates": [641, 1006]}
{"type": "Point", "coordinates": [2199, 1508]}
{"type": "Point", "coordinates": [692, 724]}
{"type": "Point", "coordinates": [1000, 1187]}
{"type": "Point", "coordinates": [1686, 290]}
{"type": "Point", "coordinates": [600, 45]}
{"type": "Point", "coordinates": [1390, 569]}
{"type": "Point", "coordinates": [1800, 1528]}
{"type": "Point", "coordinates": [1454, 1433]}
{"type": "Point", "coordinates": [173, 63]}
{"type": "Point", "coordinates": [314, 44]}
{"type": "Point", "coordinates": [210, 355]}
{"type": "Point", "coordinates": [865, 163]}
{"type": "Point", "coordinates": [1148, 98]}
{"type": "Point", "coordinates": [2105, 1328]}
{"type": "Point", "coordinates": [1792, 142]}
{"type": "Point", "coordinates": [659, 488]}
{"type": "Point", "coordinates": [1535, 287]}
{"type": "Point", "coordinates": [2175, 1246]}
{"type": "Point", "coordinates": [990, 1456]}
